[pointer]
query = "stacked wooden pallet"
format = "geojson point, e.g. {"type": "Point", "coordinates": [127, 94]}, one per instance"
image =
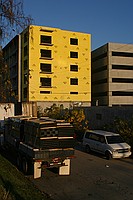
{"type": "Point", "coordinates": [49, 133]}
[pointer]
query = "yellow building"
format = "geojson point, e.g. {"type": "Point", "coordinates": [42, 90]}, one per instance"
{"type": "Point", "coordinates": [55, 66]}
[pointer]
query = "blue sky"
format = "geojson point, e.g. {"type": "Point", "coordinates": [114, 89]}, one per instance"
{"type": "Point", "coordinates": [105, 20]}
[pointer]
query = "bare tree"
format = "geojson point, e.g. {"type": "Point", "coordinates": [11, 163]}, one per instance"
{"type": "Point", "coordinates": [12, 22]}
{"type": "Point", "coordinates": [12, 18]}
{"type": "Point", "coordinates": [6, 92]}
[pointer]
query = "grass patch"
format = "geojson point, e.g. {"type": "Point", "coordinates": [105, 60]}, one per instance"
{"type": "Point", "coordinates": [14, 186]}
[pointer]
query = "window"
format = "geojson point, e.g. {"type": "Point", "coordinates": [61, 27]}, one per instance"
{"type": "Point", "coordinates": [122, 54]}
{"type": "Point", "coordinates": [122, 93]}
{"type": "Point", "coordinates": [73, 54]}
{"type": "Point", "coordinates": [45, 68]}
{"type": "Point", "coordinates": [13, 70]}
{"type": "Point", "coordinates": [114, 139]}
{"type": "Point", "coordinates": [99, 69]}
{"type": "Point", "coordinates": [102, 139]}
{"type": "Point", "coordinates": [94, 136]}
{"type": "Point", "coordinates": [74, 68]}
{"type": "Point", "coordinates": [122, 80]}
{"type": "Point", "coordinates": [73, 41]}
{"type": "Point", "coordinates": [45, 92]}
{"type": "Point", "coordinates": [45, 53]}
{"type": "Point", "coordinates": [45, 82]}
{"type": "Point", "coordinates": [46, 30]}
{"type": "Point", "coordinates": [73, 92]}
{"type": "Point", "coordinates": [102, 81]}
{"type": "Point", "coordinates": [123, 67]}
{"type": "Point", "coordinates": [25, 92]}
{"type": "Point", "coordinates": [25, 79]}
{"type": "Point", "coordinates": [45, 39]}
{"type": "Point", "coordinates": [87, 135]}
{"type": "Point", "coordinates": [73, 81]}
{"type": "Point", "coordinates": [16, 92]}
{"type": "Point", "coordinates": [25, 64]}
{"type": "Point", "coordinates": [14, 81]}
{"type": "Point", "coordinates": [99, 57]}
{"type": "Point", "coordinates": [100, 94]}
{"type": "Point", "coordinates": [13, 58]}
{"type": "Point", "coordinates": [25, 37]}
{"type": "Point", "coordinates": [25, 51]}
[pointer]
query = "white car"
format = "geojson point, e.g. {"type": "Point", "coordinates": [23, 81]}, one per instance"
{"type": "Point", "coordinates": [107, 143]}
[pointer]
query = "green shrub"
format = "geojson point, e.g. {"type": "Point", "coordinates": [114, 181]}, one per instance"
{"type": "Point", "coordinates": [123, 127]}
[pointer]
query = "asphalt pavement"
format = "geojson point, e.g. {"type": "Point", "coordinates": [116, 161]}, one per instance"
{"type": "Point", "coordinates": [92, 178]}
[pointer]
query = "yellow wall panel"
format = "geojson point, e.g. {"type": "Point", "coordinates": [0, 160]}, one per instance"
{"type": "Point", "coordinates": [60, 65]}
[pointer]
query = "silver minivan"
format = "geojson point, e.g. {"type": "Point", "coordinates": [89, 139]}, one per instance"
{"type": "Point", "coordinates": [107, 143]}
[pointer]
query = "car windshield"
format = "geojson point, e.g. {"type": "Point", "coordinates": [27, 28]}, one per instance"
{"type": "Point", "coordinates": [114, 139]}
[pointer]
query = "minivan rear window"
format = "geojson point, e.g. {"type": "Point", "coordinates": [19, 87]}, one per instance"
{"type": "Point", "coordinates": [114, 139]}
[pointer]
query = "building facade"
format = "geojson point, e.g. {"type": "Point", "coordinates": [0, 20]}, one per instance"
{"type": "Point", "coordinates": [112, 75]}
{"type": "Point", "coordinates": [55, 66]}
{"type": "Point", "coordinates": [12, 62]}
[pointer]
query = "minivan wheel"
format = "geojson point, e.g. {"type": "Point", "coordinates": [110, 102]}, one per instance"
{"type": "Point", "coordinates": [108, 155]}
{"type": "Point", "coordinates": [87, 149]}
